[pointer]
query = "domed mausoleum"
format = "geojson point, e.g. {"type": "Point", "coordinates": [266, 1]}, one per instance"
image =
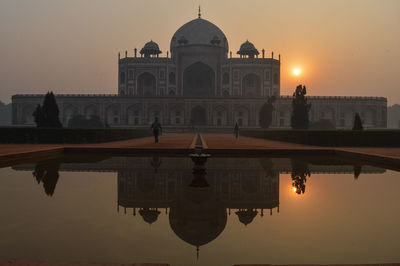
{"type": "Point", "coordinates": [199, 83]}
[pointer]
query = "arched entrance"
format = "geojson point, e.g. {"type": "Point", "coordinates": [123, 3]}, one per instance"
{"type": "Point", "coordinates": [198, 80]}
{"type": "Point", "coordinates": [198, 116]}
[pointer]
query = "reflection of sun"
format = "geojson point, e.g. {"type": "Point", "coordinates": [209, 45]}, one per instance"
{"type": "Point", "coordinates": [296, 71]}
{"type": "Point", "coordinates": [294, 189]}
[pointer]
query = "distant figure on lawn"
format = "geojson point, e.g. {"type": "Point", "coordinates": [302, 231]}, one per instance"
{"type": "Point", "coordinates": [236, 130]}
{"type": "Point", "coordinates": [156, 127]}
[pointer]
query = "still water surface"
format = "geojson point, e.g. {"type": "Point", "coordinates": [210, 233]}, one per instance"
{"type": "Point", "coordinates": [224, 212]}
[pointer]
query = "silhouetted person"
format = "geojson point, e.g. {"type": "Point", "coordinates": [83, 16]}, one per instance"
{"type": "Point", "coordinates": [236, 130]}
{"type": "Point", "coordinates": [156, 127]}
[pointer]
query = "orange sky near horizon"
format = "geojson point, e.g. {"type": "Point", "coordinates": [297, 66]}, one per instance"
{"type": "Point", "coordinates": [343, 47]}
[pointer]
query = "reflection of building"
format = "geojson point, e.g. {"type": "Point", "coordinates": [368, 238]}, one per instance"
{"type": "Point", "coordinates": [200, 82]}
{"type": "Point", "coordinates": [148, 187]}
{"type": "Point", "coordinates": [198, 215]}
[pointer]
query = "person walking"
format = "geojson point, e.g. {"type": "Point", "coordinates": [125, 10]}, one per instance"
{"type": "Point", "coordinates": [236, 130]}
{"type": "Point", "coordinates": [156, 127]}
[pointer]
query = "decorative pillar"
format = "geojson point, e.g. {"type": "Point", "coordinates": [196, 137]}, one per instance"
{"type": "Point", "coordinates": [135, 52]}
{"type": "Point", "coordinates": [263, 53]}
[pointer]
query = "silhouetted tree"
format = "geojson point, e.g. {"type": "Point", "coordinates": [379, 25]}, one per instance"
{"type": "Point", "coordinates": [266, 112]}
{"type": "Point", "coordinates": [300, 109]}
{"type": "Point", "coordinates": [47, 115]}
{"type": "Point", "coordinates": [357, 171]}
{"type": "Point", "coordinates": [357, 123]}
{"type": "Point", "coordinates": [300, 172]}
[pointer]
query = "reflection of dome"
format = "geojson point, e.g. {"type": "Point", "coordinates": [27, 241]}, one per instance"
{"type": "Point", "coordinates": [198, 226]}
{"type": "Point", "coordinates": [246, 217]}
{"type": "Point", "coordinates": [150, 48]}
{"type": "Point", "coordinates": [149, 216]}
{"type": "Point", "coordinates": [199, 32]}
{"type": "Point", "coordinates": [247, 48]}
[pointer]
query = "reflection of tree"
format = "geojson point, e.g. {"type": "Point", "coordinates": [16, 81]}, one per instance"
{"type": "Point", "coordinates": [47, 173]}
{"type": "Point", "coordinates": [300, 172]}
{"type": "Point", "coordinates": [357, 170]}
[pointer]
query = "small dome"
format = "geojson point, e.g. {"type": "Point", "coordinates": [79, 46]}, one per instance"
{"type": "Point", "coordinates": [149, 216]}
{"type": "Point", "coordinates": [246, 217]}
{"type": "Point", "coordinates": [150, 48]}
{"type": "Point", "coordinates": [247, 48]}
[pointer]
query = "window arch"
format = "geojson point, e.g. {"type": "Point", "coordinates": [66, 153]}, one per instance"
{"type": "Point", "coordinates": [225, 78]}
{"type": "Point", "coordinates": [251, 85]}
{"type": "Point", "coordinates": [171, 78]}
{"type": "Point", "coordinates": [276, 78]}
{"type": "Point", "coordinates": [122, 77]}
{"type": "Point", "coordinates": [146, 84]}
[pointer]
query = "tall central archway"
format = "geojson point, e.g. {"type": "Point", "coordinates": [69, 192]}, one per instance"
{"type": "Point", "coordinates": [198, 116]}
{"type": "Point", "coordinates": [198, 80]}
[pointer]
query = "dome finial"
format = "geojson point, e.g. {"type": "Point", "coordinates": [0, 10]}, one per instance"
{"type": "Point", "coordinates": [199, 12]}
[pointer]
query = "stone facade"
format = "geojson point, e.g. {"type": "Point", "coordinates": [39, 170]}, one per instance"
{"type": "Point", "coordinates": [199, 84]}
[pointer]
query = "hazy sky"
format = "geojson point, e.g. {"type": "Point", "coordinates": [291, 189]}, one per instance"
{"type": "Point", "coordinates": [344, 47]}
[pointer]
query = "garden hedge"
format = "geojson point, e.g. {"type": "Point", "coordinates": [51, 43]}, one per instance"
{"type": "Point", "coordinates": [332, 138]}
{"type": "Point", "coordinates": [69, 135]}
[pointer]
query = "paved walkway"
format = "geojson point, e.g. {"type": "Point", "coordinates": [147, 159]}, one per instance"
{"type": "Point", "coordinates": [223, 144]}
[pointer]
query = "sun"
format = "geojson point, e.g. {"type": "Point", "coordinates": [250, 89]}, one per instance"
{"type": "Point", "coordinates": [296, 71]}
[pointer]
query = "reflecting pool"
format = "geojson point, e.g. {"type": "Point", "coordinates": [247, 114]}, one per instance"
{"type": "Point", "coordinates": [216, 211]}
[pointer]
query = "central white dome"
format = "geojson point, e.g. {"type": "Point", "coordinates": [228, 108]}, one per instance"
{"type": "Point", "coordinates": [199, 32]}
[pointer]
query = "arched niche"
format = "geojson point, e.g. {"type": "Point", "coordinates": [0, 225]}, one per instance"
{"type": "Point", "coordinates": [134, 113]}
{"type": "Point", "coordinates": [90, 111]}
{"type": "Point", "coordinates": [241, 116]}
{"type": "Point", "coordinates": [153, 112]}
{"type": "Point", "coordinates": [27, 114]}
{"type": "Point", "coordinates": [113, 113]}
{"type": "Point", "coordinates": [68, 112]}
{"type": "Point", "coordinates": [177, 115]}
{"type": "Point", "coordinates": [220, 116]}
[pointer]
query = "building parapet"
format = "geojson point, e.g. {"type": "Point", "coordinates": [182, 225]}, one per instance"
{"type": "Point", "coordinates": [238, 60]}
{"type": "Point", "coordinates": [151, 60]}
{"type": "Point", "coordinates": [65, 95]}
{"type": "Point", "coordinates": [285, 97]}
